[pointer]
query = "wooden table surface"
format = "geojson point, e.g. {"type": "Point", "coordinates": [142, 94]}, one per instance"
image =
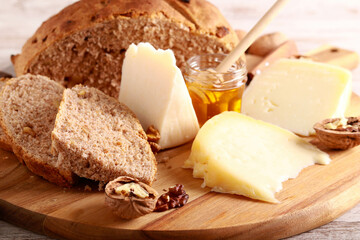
{"type": "Point", "coordinates": [309, 23]}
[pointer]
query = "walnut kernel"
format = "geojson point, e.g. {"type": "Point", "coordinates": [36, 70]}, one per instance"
{"type": "Point", "coordinates": [29, 130]}
{"type": "Point", "coordinates": [81, 93]}
{"type": "Point", "coordinates": [176, 197]}
{"type": "Point", "coordinates": [153, 134]}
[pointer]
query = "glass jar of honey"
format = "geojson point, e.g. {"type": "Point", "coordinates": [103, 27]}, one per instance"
{"type": "Point", "coordinates": [212, 92]}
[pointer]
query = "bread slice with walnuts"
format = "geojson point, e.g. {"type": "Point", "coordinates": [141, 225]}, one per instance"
{"type": "Point", "coordinates": [99, 138]}
{"type": "Point", "coordinates": [4, 139]}
{"type": "Point", "coordinates": [28, 108]}
{"type": "Point", "coordinates": [86, 42]}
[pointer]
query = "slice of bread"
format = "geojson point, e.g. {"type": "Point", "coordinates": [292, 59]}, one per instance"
{"type": "Point", "coordinates": [28, 108]}
{"type": "Point", "coordinates": [99, 138]}
{"type": "Point", "coordinates": [4, 139]}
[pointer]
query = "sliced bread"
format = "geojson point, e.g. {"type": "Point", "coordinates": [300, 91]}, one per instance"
{"type": "Point", "coordinates": [4, 140]}
{"type": "Point", "coordinates": [99, 138]}
{"type": "Point", "coordinates": [28, 108]}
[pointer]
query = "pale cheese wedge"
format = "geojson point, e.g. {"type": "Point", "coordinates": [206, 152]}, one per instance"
{"type": "Point", "coordinates": [295, 94]}
{"type": "Point", "coordinates": [153, 87]}
{"type": "Point", "coordinates": [237, 154]}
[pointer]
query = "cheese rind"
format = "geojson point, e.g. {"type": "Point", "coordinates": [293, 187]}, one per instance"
{"type": "Point", "coordinates": [295, 94]}
{"type": "Point", "coordinates": [238, 154]}
{"type": "Point", "coordinates": [153, 87]}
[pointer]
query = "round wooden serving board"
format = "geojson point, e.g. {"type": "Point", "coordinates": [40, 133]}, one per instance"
{"type": "Point", "coordinates": [317, 196]}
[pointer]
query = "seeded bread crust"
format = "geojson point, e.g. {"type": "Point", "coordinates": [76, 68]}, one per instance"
{"type": "Point", "coordinates": [99, 138]}
{"type": "Point", "coordinates": [28, 107]}
{"type": "Point", "coordinates": [86, 41]}
{"type": "Point", "coordinates": [4, 139]}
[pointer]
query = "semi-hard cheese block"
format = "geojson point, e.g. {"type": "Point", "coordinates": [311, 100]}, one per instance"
{"type": "Point", "coordinates": [295, 94]}
{"type": "Point", "coordinates": [237, 154]}
{"type": "Point", "coordinates": [154, 88]}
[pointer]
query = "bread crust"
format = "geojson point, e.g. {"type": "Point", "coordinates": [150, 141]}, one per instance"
{"type": "Point", "coordinates": [34, 164]}
{"type": "Point", "coordinates": [200, 16]}
{"type": "Point", "coordinates": [4, 139]}
{"type": "Point", "coordinates": [38, 167]}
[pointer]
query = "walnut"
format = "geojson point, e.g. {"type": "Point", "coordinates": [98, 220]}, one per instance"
{"type": "Point", "coordinates": [81, 93]}
{"type": "Point", "coordinates": [176, 197]}
{"type": "Point", "coordinates": [339, 133]}
{"type": "Point", "coordinates": [222, 31]}
{"type": "Point", "coordinates": [30, 131]}
{"type": "Point", "coordinates": [153, 136]}
{"type": "Point", "coordinates": [155, 148]}
{"type": "Point", "coordinates": [130, 198]}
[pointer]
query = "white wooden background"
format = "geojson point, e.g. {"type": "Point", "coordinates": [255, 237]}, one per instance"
{"type": "Point", "coordinates": [310, 22]}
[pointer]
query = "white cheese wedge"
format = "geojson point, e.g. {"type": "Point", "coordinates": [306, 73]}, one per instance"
{"type": "Point", "coordinates": [153, 87]}
{"type": "Point", "coordinates": [237, 154]}
{"type": "Point", "coordinates": [295, 94]}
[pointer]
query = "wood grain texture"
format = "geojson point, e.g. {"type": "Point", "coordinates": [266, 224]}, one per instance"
{"type": "Point", "coordinates": [317, 196]}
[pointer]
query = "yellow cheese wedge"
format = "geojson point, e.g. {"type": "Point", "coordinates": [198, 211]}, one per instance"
{"type": "Point", "coordinates": [238, 154]}
{"type": "Point", "coordinates": [295, 94]}
{"type": "Point", "coordinates": [153, 87]}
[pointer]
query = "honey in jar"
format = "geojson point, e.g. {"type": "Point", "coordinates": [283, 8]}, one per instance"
{"type": "Point", "coordinates": [212, 92]}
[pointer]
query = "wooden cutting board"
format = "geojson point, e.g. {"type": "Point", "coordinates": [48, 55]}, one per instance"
{"type": "Point", "coordinates": [317, 196]}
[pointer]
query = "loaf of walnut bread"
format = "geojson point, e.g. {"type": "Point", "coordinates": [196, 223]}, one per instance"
{"type": "Point", "coordinates": [97, 137]}
{"type": "Point", "coordinates": [86, 42]}
{"type": "Point", "coordinates": [28, 108]}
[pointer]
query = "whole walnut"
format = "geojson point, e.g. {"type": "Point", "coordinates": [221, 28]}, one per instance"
{"type": "Point", "coordinates": [129, 204]}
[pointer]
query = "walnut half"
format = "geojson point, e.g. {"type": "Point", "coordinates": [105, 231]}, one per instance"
{"type": "Point", "coordinates": [339, 133]}
{"type": "Point", "coordinates": [130, 198]}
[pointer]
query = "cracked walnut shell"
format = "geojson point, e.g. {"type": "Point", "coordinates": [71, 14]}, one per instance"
{"type": "Point", "coordinates": [341, 137]}
{"type": "Point", "coordinates": [130, 198]}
